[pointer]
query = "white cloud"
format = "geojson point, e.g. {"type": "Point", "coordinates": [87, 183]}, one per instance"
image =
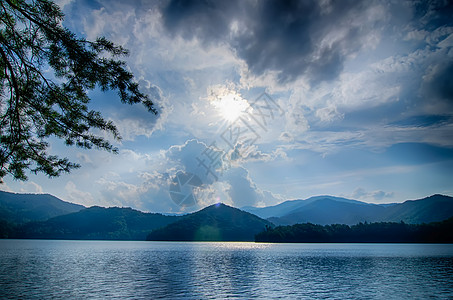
{"type": "Point", "coordinates": [244, 192]}
{"type": "Point", "coordinates": [231, 185]}
{"type": "Point", "coordinates": [5, 187]}
{"type": "Point", "coordinates": [84, 158]}
{"type": "Point", "coordinates": [373, 196]}
{"type": "Point", "coordinates": [328, 114]}
{"type": "Point", "coordinates": [63, 3]}
{"type": "Point", "coordinates": [31, 187]}
{"type": "Point", "coordinates": [383, 137]}
{"type": "Point", "coordinates": [120, 193]}
{"type": "Point", "coordinates": [75, 195]}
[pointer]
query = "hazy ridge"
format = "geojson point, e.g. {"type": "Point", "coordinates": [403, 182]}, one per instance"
{"type": "Point", "coordinates": [45, 216]}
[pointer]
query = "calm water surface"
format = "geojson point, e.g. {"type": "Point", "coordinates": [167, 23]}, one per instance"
{"type": "Point", "coordinates": [44, 269]}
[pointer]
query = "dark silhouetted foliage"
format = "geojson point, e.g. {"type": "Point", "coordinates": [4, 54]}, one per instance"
{"type": "Point", "coordinates": [36, 103]}
{"type": "Point", "coordinates": [7, 229]}
{"type": "Point", "coordinates": [383, 232]}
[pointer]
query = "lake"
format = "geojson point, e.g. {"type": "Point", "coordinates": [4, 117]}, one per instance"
{"type": "Point", "coordinates": [47, 269]}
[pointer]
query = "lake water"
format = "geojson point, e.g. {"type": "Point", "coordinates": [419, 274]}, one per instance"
{"type": "Point", "coordinates": [149, 270]}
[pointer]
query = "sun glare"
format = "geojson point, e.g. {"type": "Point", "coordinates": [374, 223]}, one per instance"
{"type": "Point", "coordinates": [230, 106]}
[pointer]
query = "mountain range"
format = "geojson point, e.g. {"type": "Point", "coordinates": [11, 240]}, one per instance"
{"type": "Point", "coordinates": [45, 216]}
{"type": "Point", "coordinates": [325, 210]}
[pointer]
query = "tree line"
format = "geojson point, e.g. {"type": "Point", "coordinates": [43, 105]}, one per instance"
{"type": "Point", "coordinates": [380, 232]}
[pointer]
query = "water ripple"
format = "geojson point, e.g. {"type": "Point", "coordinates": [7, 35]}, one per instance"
{"type": "Point", "coordinates": [156, 270]}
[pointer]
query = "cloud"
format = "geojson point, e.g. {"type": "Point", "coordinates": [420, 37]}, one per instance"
{"type": "Point", "coordinates": [210, 20]}
{"type": "Point", "coordinates": [142, 181]}
{"type": "Point", "coordinates": [361, 193]}
{"type": "Point", "coordinates": [296, 119]}
{"type": "Point", "coordinates": [136, 120]}
{"type": "Point", "coordinates": [243, 153]}
{"type": "Point", "coordinates": [232, 183]}
{"type": "Point", "coordinates": [327, 114]}
{"type": "Point", "coordinates": [31, 187]}
{"type": "Point", "coordinates": [438, 83]}
{"type": "Point", "coordinates": [85, 159]}
{"type": "Point", "coordinates": [206, 161]}
{"type": "Point", "coordinates": [75, 195]}
{"type": "Point", "coordinates": [120, 193]}
{"type": "Point", "coordinates": [146, 191]}
{"type": "Point", "coordinates": [320, 48]}
{"type": "Point", "coordinates": [4, 187]}
{"type": "Point", "coordinates": [174, 71]}
{"type": "Point", "coordinates": [244, 192]}
{"type": "Point", "coordinates": [286, 137]}
{"type": "Point", "coordinates": [63, 3]}
{"type": "Point", "coordinates": [291, 38]}
{"type": "Point", "coordinates": [123, 22]}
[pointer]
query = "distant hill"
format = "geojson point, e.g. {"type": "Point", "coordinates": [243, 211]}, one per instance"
{"type": "Point", "coordinates": [326, 210]}
{"type": "Point", "coordinates": [23, 208]}
{"type": "Point", "coordinates": [329, 211]}
{"type": "Point", "coordinates": [275, 211]}
{"type": "Point", "coordinates": [217, 222]}
{"type": "Point", "coordinates": [430, 209]}
{"type": "Point", "coordinates": [97, 223]}
{"type": "Point", "coordinates": [291, 206]}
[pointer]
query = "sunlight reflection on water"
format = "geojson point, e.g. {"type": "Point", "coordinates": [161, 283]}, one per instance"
{"type": "Point", "coordinates": [105, 269]}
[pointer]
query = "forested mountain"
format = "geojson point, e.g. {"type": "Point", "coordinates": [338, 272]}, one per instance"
{"type": "Point", "coordinates": [217, 222]}
{"type": "Point", "coordinates": [22, 208]}
{"type": "Point", "coordinates": [430, 209]}
{"type": "Point", "coordinates": [112, 223]}
{"type": "Point", "coordinates": [326, 210]}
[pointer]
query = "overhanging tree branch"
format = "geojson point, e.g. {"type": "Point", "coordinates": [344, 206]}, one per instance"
{"type": "Point", "coordinates": [33, 107]}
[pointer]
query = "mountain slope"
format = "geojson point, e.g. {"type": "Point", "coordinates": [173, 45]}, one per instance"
{"type": "Point", "coordinates": [325, 210]}
{"type": "Point", "coordinates": [112, 223]}
{"type": "Point", "coordinates": [292, 206]}
{"type": "Point", "coordinates": [22, 208]}
{"type": "Point", "coordinates": [275, 210]}
{"type": "Point", "coordinates": [434, 208]}
{"type": "Point", "coordinates": [217, 222]}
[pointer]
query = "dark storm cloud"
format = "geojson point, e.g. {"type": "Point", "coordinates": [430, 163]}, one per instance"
{"type": "Point", "coordinates": [435, 17]}
{"type": "Point", "coordinates": [290, 37]}
{"type": "Point", "coordinates": [203, 18]}
{"type": "Point", "coordinates": [441, 83]}
{"type": "Point", "coordinates": [434, 13]}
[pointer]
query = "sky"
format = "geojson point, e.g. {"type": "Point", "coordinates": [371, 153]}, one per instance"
{"type": "Point", "coordinates": [265, 101]}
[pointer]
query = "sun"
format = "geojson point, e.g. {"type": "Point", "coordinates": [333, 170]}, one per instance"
{"type": "Point", "coordinates": [230, 105]}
